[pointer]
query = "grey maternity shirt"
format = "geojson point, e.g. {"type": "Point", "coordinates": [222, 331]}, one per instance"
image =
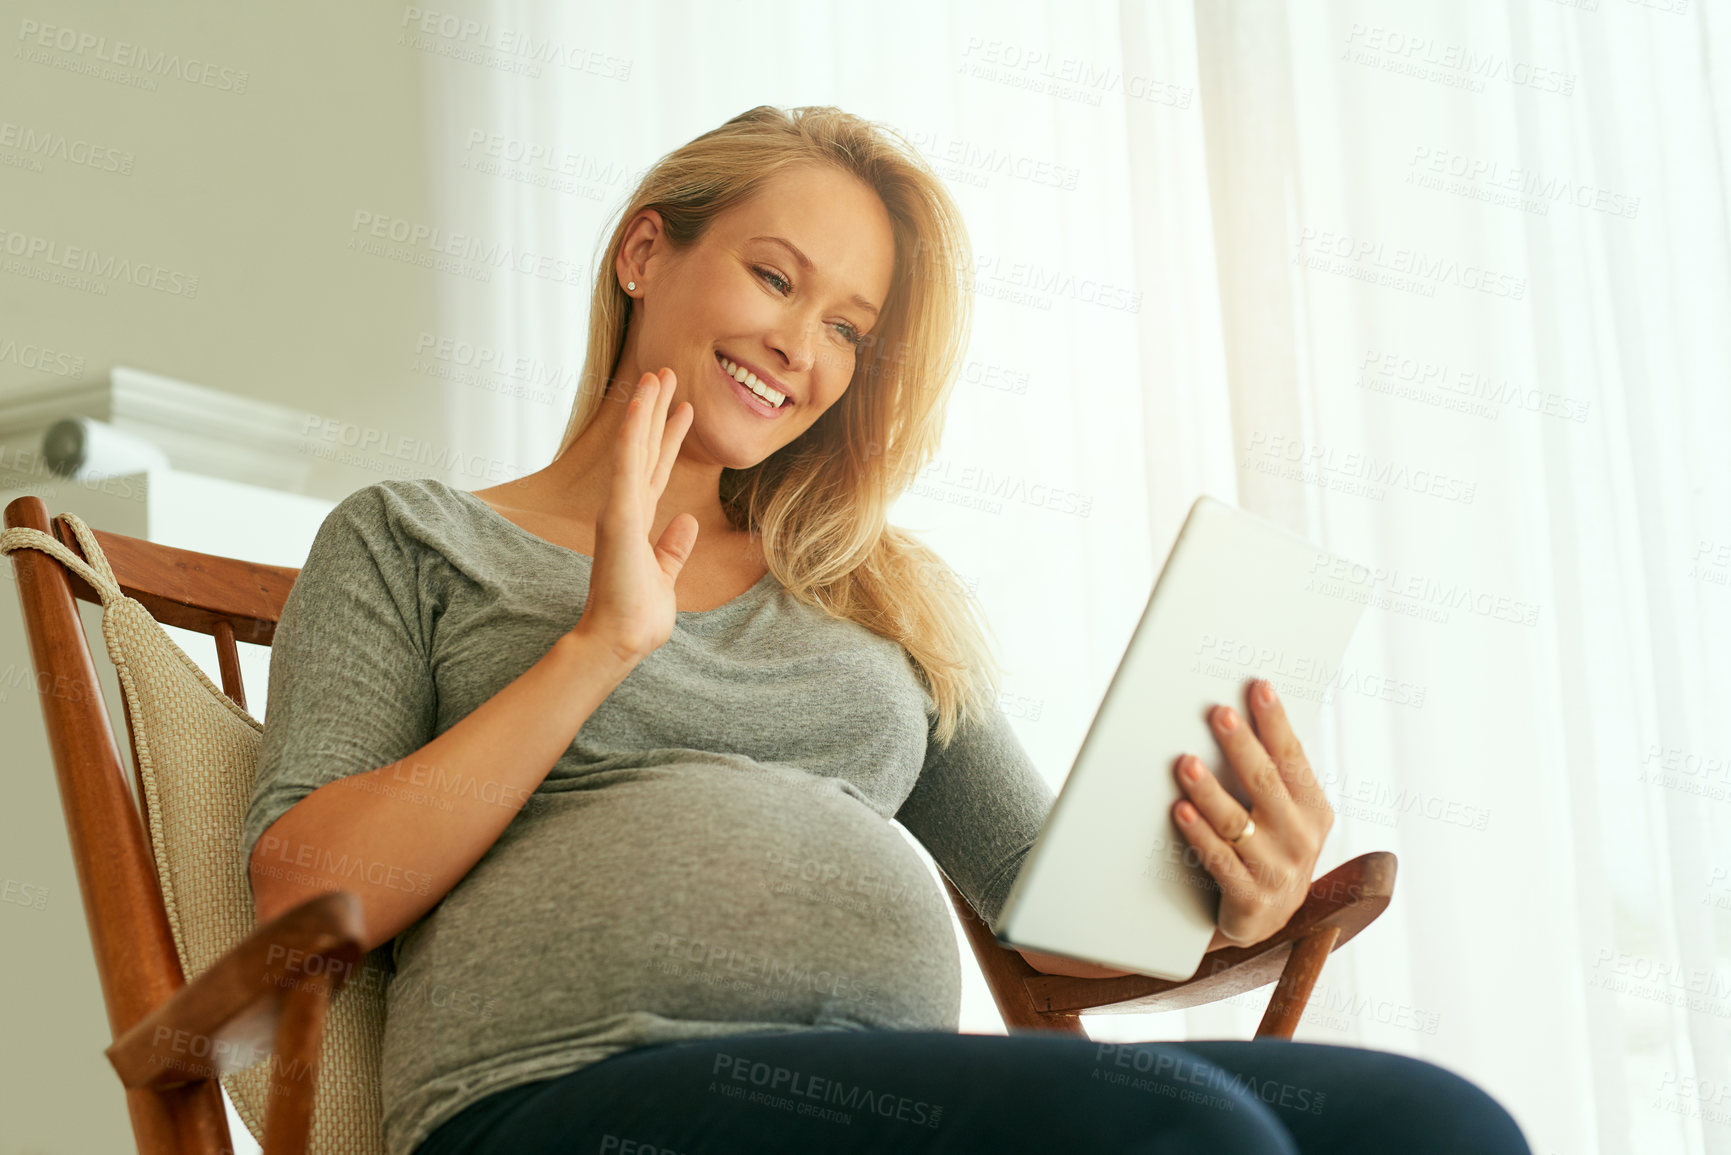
{"type": "Point", "coordinates": [712, 854]}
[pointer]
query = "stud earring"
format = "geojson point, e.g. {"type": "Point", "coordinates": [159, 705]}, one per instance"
{"type": "Point", "coordinates": [630, 286]}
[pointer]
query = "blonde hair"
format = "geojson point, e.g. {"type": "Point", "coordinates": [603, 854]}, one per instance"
{"type": "Point", "coordinates": [820, 502]}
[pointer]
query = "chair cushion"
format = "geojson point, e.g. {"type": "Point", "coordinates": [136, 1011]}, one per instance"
{"type": "Point", "coordinates": [197, 755]}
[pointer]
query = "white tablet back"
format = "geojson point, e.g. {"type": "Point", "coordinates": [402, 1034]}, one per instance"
{"type": "Point", "coordinates": [1111, 879]}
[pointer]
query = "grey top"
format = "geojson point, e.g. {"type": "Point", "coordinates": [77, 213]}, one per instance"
{"type": "Point", "coordinates": [712, 854]}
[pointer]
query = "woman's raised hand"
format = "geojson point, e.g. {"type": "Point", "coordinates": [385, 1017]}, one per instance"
{"type": "Point", "coordinates": [631, 606]}
{"type": "Point", "coordinates": [1264, 872]}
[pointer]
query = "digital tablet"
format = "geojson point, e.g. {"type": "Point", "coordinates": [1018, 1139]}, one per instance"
{"type": "Point", "coordinates": [1111, 880]}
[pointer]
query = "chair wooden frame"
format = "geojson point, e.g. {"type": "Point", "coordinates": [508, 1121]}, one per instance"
{"type": "Point", "coordinates": [242, 1008]}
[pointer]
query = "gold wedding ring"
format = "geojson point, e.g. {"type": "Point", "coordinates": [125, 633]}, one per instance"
{"type": "Point", "coordinates": [1249, 829]}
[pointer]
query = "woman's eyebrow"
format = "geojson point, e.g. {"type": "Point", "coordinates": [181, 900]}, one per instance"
{"type": "Point", "coordinates": [805, 263]}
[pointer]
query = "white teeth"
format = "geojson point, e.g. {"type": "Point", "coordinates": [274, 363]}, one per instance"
{"type": "Point", "coordinates": [749, 379]}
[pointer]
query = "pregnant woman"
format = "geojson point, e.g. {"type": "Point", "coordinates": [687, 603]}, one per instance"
{"type": "Point", "coordinates": [610, 754]}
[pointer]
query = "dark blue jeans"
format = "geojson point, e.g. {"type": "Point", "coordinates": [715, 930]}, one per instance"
{"type": "Point", "coordinates": [854, 1092]}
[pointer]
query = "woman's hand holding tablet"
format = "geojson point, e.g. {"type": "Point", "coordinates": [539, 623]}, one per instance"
{"type": "Point", "coordinates": [1262, 858]}
{"type": "Point", "coordinates": [1135, 868]}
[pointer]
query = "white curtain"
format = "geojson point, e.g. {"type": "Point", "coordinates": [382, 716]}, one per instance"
{"type": "Point", "coordinates": [1443, 286]}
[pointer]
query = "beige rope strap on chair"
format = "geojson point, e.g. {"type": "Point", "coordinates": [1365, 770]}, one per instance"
{"type": "Point", "coordinates": [197, 758]}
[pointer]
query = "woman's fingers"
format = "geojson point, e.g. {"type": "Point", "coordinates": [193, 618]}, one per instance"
{"type": "Point", "coordinates": [1266, 871]}
{"type": "Point", "coordinates": [672, 438]}
{"type": "Point", "coordinates": [1263, 876]}
{"type": "Point", "coordinates": [1255, 769]}
{"type": "Point", "coordinates": [1222, 812]}
{"type": "Point", "coordinates": [669, 432]}
{"type": "Point", "coordinates": [638, 420]}
{"type": "Point", "coordinates": [643, 423]}
{"type": "Point", "coordinates": [622, 510]}
{"type": "Point", "coordinates": [1240, 895]}
{"type": "Point", "coordinates": [1274, 731]}
{"type": "Point", "coordinates": [631, 433]}
{"type": "Point", "coordinates": [652, 441]}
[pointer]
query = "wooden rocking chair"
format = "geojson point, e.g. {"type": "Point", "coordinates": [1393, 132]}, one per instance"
{"type": "Point", "coordinates": [244, 1008]}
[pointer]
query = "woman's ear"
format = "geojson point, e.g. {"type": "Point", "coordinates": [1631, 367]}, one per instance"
{"type": "Point", "coordinates": [644, 239]}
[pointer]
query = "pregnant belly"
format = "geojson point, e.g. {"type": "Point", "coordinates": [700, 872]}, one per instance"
{"type": "Point", "coordinates": [692, 892]}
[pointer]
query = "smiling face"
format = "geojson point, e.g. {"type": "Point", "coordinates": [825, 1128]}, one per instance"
{"type": "Point", "coordinates": [743, 295]}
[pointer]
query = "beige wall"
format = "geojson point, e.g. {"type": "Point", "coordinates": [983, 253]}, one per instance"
{"type": "Point", "coordinates": [253, 193]}
{"type": "Point", "coordinates": [250, 183]}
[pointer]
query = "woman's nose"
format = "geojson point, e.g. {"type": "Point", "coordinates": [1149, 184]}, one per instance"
{"type": "Point", "coordinates": [795, 344]}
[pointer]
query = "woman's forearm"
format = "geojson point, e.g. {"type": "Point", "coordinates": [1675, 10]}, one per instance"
{"type": "Point", "coordinates": [401, 836]}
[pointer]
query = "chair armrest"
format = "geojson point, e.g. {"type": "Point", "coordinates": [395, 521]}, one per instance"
{"type": "Point", "coordinates": [226, 1018]}
{"type": "Point", "coordinates": [1347, 898]}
